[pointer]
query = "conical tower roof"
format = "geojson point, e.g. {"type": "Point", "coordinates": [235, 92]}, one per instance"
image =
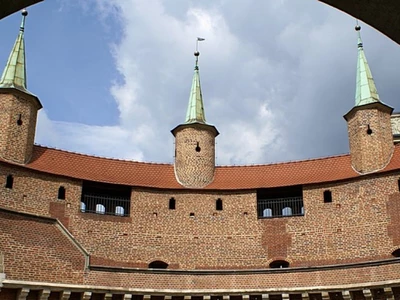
{"type": "Point", "coordinates": [366, 92]}
{"type": "Point", "coordinates": [195, 110]}
{"type": "Point", "coordinates": [14, 73]}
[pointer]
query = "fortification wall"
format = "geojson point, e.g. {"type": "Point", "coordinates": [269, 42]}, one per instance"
{"type": "Point", "coordinates": [360, 224]}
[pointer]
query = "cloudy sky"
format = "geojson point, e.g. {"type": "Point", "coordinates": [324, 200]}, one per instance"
{"type": "Point", "coordinates": [277, 75]}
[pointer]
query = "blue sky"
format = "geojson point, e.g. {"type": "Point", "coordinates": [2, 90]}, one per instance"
{"type": "Point", "coordinates": [277, 76]}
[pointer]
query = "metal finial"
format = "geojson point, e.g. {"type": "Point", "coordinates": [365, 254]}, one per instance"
{"type": "Point", "coordinates": [24, 13]}
{"type": "Point", "coordinates": [197, 53]}
{"type": "Point", "coordinates": [358, 29]}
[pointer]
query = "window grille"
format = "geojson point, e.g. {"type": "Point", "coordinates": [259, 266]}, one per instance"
{"type": "Point", "coordinates": [280, 207]}
{"type": "Point", "coordinates": [105, 205]}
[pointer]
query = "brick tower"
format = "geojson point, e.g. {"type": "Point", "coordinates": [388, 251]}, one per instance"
{"type": "Point", "coordinates": [195, 141]}
{"type": "Point", "coordinates": [18, 107]}
{"type": "Point", "coordinates": [368, 122]}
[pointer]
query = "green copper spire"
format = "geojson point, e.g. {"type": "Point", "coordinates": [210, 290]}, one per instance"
{"type": "Point", "coordinates": [195, 111]}
{"type": "Point", "coordinates": [14, 74]}
{"type": "Point", "coordinates": [365, 89]}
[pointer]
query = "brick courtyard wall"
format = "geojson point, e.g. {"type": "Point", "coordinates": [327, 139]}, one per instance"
{"type": "Point", "coordinates": [16, 139]}
{"type": "Point", "coordinates": [360, 224]}
{"type": "Point", "coordinates": [370, 152]}
{"type": "Point", "coordinates": [36, 249]}
{"type": "Point", "coordinates": [281, 281]}
{"type": "Point", "coordinates": [37, 193]}
{"type": "Point", "coordinates": [356, 226]}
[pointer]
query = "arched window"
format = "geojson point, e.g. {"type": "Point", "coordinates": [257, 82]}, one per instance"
{"type": "Point", "coordinates": [327, 196]}
{"type": "Point", "coordinates": [218, 204]}
{"type": "Point", "coordinates": [172, 203]}
{"type": "Point", "coordinates": [119, 211]}
{"type": "Point", "coordinates": [158, 264]}
{"type": "Point", "coordinates": [267, 213]}
{"type": "Point", "coordinates": [61, 193]}
{"type": "Point", "coordinates": [278, 264]}
{"type": "Point", "coordinates": [100, 209]}
{"type": "Point", "coordinates": [396, 253]}
{"type": "Point", "coordinates": [287, 211]}
{"type": "Point", "coordinates": [9, 182]}
{"type": "Point", "coordinates": [83, 207]}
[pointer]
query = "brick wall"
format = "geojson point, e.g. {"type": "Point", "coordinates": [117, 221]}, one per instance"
{"type": "Point", "coordinates": [36, 250]}
{"type": "Point", "coordinates": [360, 224]}
{"type": "Point", "coordinates": [278, 281]}
{"type": "Point", "coordinates": [195, 155]}
{"type": "Point", "coordinates": [37, 193]}
{"type": "Point", "coordinates": [370, 152]}
{"type": "Point", "coordinates": [16, 139]}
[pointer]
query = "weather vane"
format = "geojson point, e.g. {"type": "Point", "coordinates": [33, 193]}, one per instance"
{"type": "Point", "coordinates": [199, 39]}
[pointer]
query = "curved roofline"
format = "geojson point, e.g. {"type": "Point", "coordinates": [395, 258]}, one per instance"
{"type": "Point", "coordinates": [227, 178]}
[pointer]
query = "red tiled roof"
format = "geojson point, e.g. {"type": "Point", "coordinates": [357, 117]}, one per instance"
{"type": "Point", "coordinates": [85, 167]}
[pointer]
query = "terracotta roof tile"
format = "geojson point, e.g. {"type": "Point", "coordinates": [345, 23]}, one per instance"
{"type": "Point", "coordinates": [85, 167]}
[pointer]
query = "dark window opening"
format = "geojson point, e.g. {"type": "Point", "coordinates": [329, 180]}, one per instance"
{"type": "Point", "coordinates": [335, 295]}
{"type": "Point", "coordinates": [172, 203]}
{"type": "Point", "coordinates": [61, 193]}
{"type": "Point", "coordinates": [191, 214]}
{"type": "Point", "coordinates": [19, 121]}
{"type": "Point", "coordinates": [280, 202]}
{"type": "Point", "coordinates": [218, 204]}
{"type": "Point", "coordinates": [158, 264]}
{"type": "Point", "coordinates": [396, 253]}
{"type": "Point", "coordinates": [9, 182]}
{"type": "Point", "coordinates": [105, 199]}
{"type": "Point", "coordinates": [327, 196]}
{"type": "Point", "coordinates": [369, 130]}
{"type": "Point", "coordinates": [198, 149]}
{"type": "Point", "coordinates": [278, 264]}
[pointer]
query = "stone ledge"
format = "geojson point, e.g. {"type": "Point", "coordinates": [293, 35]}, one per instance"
{"type": "Point", "coordinates": [248, 271]}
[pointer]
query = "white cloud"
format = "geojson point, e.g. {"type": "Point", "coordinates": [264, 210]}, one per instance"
{"type": "Point", "coordinates": [276, 80]}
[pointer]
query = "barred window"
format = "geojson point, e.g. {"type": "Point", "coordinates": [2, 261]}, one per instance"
{"type": "Point", "coordinates": [105, 199]}
{"type": "Point", "coordinates": [280, 202]}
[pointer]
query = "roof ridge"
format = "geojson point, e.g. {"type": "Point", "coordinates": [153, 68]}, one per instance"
{"type": "Point", "coordinates": [289, 161]}
{"type": "Point", "coordinates": [98, 156]}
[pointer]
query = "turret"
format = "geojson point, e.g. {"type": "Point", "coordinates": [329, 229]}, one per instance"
{"type": "Point", "coordinates": [18, 106]}
{"type": "Point", "coordinates": [195, 141]}
{"type": "Point", "coordinates": [369, 128]}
